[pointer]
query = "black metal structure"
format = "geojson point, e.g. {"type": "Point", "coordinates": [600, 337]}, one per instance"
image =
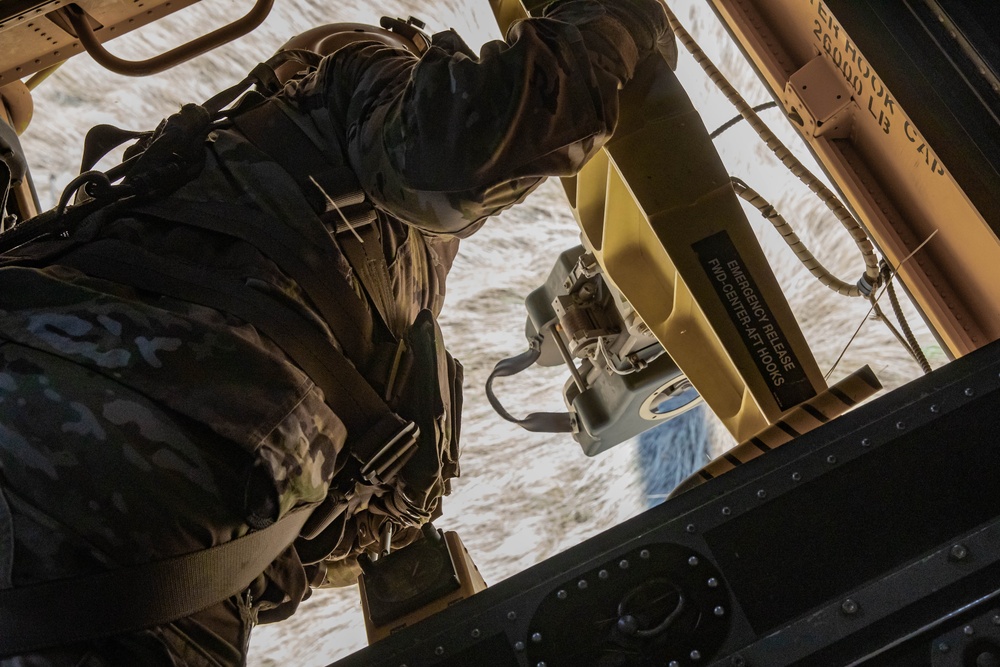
{"type": "Point", "coordinates": [873, 540]}
{"type": "Point", "coordinates": [942, 61]}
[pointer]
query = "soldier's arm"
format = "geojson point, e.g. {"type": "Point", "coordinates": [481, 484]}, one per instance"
{"type": "Point", "coordinates": [447, 140]}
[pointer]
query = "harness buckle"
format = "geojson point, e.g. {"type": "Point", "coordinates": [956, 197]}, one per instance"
{"type": "Point", "coordinates": [386, 448]}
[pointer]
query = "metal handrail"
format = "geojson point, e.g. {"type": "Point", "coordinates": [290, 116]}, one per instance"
{"type": "Point", "coordinates": [92, 45]}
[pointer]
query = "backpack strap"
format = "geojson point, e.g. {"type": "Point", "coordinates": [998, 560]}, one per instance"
{"type": "Point", "coordinates": [138, 596]}
{"type": "Point", "coordinates": [381, 442]}
{"type": "Point", "coordinates": [306, 254]}
{"type": "Point", "coordinates": [333, 191]}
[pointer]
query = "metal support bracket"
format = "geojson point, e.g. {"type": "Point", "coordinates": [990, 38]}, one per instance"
{"type": "Point", "coordinates": [817, 99]}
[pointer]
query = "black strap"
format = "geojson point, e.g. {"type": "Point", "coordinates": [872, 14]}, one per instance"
{"type": "Point", "coordinates": [138, 596]}
{"type": "Point", "coordinates": [333, 191]}
{"type": "Point", "coordinates": [322, 175]}
{"type": "Point", "coordinates": [101, 140]}
{"type": "Point", "coordinates": [308, 259]}
{"type": "Point", "coordinates": [364, 251]}
{"type": "Point", "coordinates": [538, 422]}
{"type": "Point", "coordinates": [345, 390]}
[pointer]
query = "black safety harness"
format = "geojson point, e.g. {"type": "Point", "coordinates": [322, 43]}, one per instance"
{"type": "Point", "coordinates": [380, 441]}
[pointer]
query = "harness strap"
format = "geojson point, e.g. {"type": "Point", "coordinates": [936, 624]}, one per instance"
{"type": "Point", "coordinates": [364, 252]}
{"type": "Point", "coordinates": [138, 596]}
{"type": "Point", "coordinates": [309, 261]}
{"type": "Point", "coordinates": [325, 179]}
{"type": "Point", "coordinates": [332, 189]}
{"type": "Point", "coordinates": [370, 422]}
{"type": "Point", "coordinates": [538, 422]}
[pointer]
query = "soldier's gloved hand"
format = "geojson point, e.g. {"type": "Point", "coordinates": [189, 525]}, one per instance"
{"type": "Point", "coordinates": [619, 32]}
{"type": "Point", "coordinates": [666, 43]}
{"type": "Point", "coordinates": [647, 21]}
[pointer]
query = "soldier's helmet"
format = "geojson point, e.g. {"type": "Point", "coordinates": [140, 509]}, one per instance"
{"type": "Point", "coordinates": [327, 39]}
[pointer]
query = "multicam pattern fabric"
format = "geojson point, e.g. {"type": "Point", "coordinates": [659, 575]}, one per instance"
{"type": "Point", "coordinates": [134, 426]}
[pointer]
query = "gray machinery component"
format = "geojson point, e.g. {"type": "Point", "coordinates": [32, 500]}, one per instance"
{"type": "Point", "coordinates": [622, 382]}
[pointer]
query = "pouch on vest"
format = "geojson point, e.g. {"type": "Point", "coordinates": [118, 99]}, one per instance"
{"type": "Point", "coordinates": [425, 386]}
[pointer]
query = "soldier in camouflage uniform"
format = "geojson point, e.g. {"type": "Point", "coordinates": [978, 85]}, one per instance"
{"type": "Point", "coordinates": [136, 426]}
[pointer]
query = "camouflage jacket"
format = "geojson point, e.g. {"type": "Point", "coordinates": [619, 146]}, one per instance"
{"type": "Point", "coordinates": [439, 144]}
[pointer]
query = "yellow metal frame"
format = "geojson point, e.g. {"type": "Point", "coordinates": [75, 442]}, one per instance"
{"type": "Point", "coordinates": [889, 174]}
{"type": "Point", "coordinates": [646, 205]}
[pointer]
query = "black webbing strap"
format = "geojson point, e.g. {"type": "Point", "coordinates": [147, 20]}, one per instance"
{"type": "Point", "coordinates": [138, 596]}
{"type": "Point", "coordinates": [345, 390]}
{"type": "Point", "coordinates": [363, 250]}
{"type": "Point", "coordinates": [326, 181]}
{"type": "Point", "coordinates": [309, 261]}
{"type": "Point", "coordinates": [331, 187]}
{"type": "Point", "coordinates": [539, 422]}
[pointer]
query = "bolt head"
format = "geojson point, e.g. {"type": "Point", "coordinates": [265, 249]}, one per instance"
{"type": "Point", "coordinates": [969, 630]}
{"type": "Point", "coordinates": [796, 476]}
{"type": "Point", "coordinates": [439, 650]}
{"type": "Point", "coordinates": [562, 595]}
{"type": "Point", "coordinates": [693, 561]}
{"type": "Point", "coordinates": [761, 493]}
{"type": "Point", "coordinates": [690, 528]}
{"type": "Point", "coordinates": [713, 582]}
{"type": "Point", "coordinates": [719, 611]}
{"type": "Point", "coordinates": [943, 647]}
{"type": "Point", "coordinates": [628, 625]}
{"type": "Point", "coordinates": [849, 607]}
{"type": "Point", "coordinates": [603, 574]}
{"type": "Point", "coordinates": [644, 554]}
{"type": "Point", "coordinates": [623, 564]}
{"type": "Point", "coordinates": [582, 584]}
{"type": "Point", "coordinates": [958, 552]}
{"type": "Point", "coordinates": [695, 654]}
{"type": "Point", "coordinates": [536, 637]}
{"type": "Point", "coordinates": [476, 633]}
{"type": "Point", "coordinates": [511, 615]}
{"type": "Point", "coordinates": [518, 646]}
